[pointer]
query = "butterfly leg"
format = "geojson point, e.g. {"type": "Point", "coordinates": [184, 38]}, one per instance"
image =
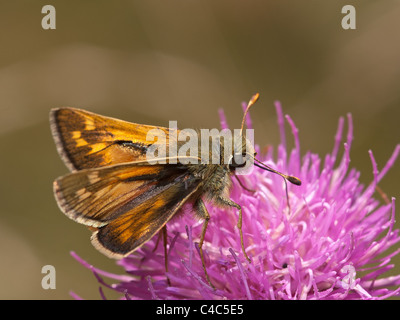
{"type": "Point", "coordinates": [230, 203]}
{"type": "Point", "coordinates": [164, 233]}
{"type": "Point", "coordinates": [201, 210]}
{"type": "Point", "coordinates": [158, 240]}
{"type": "Point", "coordinates": [242, 185]}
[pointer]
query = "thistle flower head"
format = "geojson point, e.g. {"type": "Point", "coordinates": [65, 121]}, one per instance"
{"type": "Point", "coordinates": [330, 238]}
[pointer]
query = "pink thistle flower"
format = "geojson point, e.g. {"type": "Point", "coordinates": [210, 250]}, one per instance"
{"type": "Point", "coordinates": [329, 242]}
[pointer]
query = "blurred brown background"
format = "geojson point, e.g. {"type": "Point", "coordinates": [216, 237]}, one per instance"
{"type": "Point", "coordinates": [154, 61]}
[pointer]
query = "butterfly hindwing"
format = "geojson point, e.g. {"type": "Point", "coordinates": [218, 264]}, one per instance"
{"type": "Point", "coordinates": [126, 203]}
{"type": "Point", "coordinates": [129, 231]}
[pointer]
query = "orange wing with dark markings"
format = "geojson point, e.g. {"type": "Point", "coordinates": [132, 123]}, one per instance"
{"type": "Point", "coordinates": [126, 203]}
{"type": "Point", "coordinates": [128, 232]}
{"type": "Point", "coordinates": [88, 140]}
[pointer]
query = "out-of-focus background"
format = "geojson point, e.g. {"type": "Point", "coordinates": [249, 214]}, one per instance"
{"type": "Point", "coordinates": [154, 61]}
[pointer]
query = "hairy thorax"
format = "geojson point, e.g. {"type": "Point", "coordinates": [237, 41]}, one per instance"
{"type": "Point", "coordinates": [215, 178]}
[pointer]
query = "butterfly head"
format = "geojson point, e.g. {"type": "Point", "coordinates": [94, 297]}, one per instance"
{"type": "Point", "coordinates": [244, 154]}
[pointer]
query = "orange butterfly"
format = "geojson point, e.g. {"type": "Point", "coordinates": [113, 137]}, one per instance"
{"type": "Point", "coordinates": [119, 195]}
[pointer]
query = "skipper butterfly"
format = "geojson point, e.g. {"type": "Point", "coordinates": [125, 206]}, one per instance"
{"type": "Point", "coordinates": [122, 197]}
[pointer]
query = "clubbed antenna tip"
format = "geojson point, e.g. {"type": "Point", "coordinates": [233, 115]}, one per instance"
{"type": "Point", "coordinates": [294, 180]}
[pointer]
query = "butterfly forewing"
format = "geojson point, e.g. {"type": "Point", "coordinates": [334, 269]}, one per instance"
{"type": "Point", "coordinates": [87, 140]}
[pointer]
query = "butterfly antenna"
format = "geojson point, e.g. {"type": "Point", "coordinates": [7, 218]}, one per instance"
{"type": "Point", "coordinates": [252, 101]}
{"type": "Point", "coordinates": [291, 179]}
